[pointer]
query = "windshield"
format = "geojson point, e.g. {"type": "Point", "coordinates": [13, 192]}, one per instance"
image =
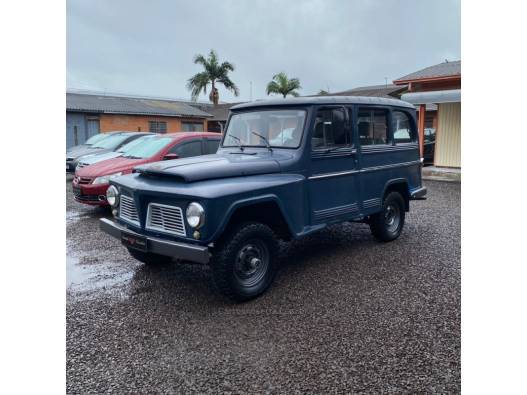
{"type": "Point", "coordinates": [111, 142]}
{"type": "Point", "coordinates": [281, 128]}
{"type": "Point", "coordinates": [128, 146]}
{"type": "Point", "coordinates": [94, 139]}
{"type": "Point", "coordinates": [148, 147]}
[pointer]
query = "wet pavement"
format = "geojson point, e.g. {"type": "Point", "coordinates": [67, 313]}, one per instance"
{"type": "Point", "coordinates": [345, 314]}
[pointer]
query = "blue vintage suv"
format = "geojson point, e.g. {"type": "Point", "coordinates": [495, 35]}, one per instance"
{"type": "Point", "coordinates": [285, 169]}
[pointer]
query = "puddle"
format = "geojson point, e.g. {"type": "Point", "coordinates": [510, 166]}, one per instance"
{"type": "Point", "coordinates": [94, 277]}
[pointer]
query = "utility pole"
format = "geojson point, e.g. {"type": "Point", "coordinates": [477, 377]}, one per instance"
{"type": "Point", "coordinates": [250, 91]}
{"type": "Point", "coordinates": [386, 82]}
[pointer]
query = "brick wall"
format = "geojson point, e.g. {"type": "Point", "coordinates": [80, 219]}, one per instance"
{"type": "Point", "coordinates": [135, 123]}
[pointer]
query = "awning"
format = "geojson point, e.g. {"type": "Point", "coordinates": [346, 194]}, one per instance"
{"type": "Point", "coordinates": [449, 96]}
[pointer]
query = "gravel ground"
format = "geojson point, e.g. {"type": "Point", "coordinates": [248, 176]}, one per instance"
{"type": "Point", "coordinates": [345, 314]}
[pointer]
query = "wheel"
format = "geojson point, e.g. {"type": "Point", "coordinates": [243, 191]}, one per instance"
{"type": "Point", "coordinates": [244, 264]}
{"type": "Point", "coordinates": [388, 224]}
{"type": "Point", "coordinates": [149, 258]}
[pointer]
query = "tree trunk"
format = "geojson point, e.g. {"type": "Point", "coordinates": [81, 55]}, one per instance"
{"type": "Point", "coordinates": [214, 95]}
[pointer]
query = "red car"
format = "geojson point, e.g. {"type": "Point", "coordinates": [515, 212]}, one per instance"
{"type": "Point", "coordinates": [91, 182]}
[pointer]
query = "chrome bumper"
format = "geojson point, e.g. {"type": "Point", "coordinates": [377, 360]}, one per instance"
{"type": "Point", "coordinates": [187, 252]}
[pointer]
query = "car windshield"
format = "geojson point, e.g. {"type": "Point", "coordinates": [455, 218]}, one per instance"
{"type": "Point", "coordinates": [148, 147]}
{"type": "Point", "coordinates": [281, 128]}
{"type": "Point", "coordinates": [95, 139]}
{"type": "Point", "coordinates": [128, 146]}
{"type": "Point", "coordinates": [111, 142]}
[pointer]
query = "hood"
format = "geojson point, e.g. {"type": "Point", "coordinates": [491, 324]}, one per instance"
{"type": "Point", "coordinates": [75, 148]}
{"type": "Point", "coordinates": [86, 151]}
{"type": "Point", "coordinates": [209, 167]}
{"type": "Point", "coordinates": [95, 158]}
{"type": "Point", "coordinates": [111, 166]}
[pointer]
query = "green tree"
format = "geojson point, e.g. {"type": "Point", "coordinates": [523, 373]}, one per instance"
{"type": "Point", "coordinates": [213, 74]}
{"type": "Point", "coordinates": [323, 92]}
{"type": "Point", "coordinates": [283, 85]}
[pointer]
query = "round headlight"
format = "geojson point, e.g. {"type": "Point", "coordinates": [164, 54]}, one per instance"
{"type": "Point", "coordinates": [195, 215]}
{"type": "Point", "coordinates": [112, 196]}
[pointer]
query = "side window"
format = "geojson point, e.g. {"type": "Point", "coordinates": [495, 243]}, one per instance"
{"type": "Point", "coordinates": [402, 128]}
{"type": "Point", "coordinates": [330, 129]}
{"type": "Point", "coordinates": [211, 146]}
{"type": "Point", "coordinates": [185, 150]}
{"type": "Point", "coordinates": [372, 126]}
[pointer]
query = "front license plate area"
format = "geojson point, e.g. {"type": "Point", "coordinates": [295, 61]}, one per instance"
{"type": "Point", "coordinates": [133, 241]}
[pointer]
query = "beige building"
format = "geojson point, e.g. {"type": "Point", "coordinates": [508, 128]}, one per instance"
{"type": "Point", "coordinates": [436, 90]}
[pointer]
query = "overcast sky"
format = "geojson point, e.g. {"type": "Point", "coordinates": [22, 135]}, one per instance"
{"type": "Point", "coordinates": [147, 47]}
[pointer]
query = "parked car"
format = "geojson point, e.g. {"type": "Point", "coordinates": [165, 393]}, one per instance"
{"type": "Point", "coordinates": [92, 140]}
{"type": "Point", "coordinates": [429, 145]}
{"type": "Point", "coordinates": [341, 162]}
{"type": "Point", "coordinates": [91, 159]}
{"type": "Point", "coordinates": [112, 142]}
{"type": "Point", "coordinates": [91, 182]}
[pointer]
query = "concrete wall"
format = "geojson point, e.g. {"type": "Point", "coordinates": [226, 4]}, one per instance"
{"type": "Point", "coordinates": [448, 138]}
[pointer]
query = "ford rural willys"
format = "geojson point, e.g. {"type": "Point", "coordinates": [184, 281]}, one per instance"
{"type": "Point", "coordinates": [284, 169]}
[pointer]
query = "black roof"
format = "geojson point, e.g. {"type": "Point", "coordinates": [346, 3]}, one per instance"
{"type": "Point", "coordinates": [131, 105]}
{"type": "Point", "coordinates": [325, 100]}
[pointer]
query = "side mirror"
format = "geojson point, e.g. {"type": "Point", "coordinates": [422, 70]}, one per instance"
{"type": "Point", "coordinates": [170, 156]}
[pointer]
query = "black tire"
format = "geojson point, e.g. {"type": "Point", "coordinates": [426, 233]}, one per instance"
{"type": "Point", "coordinates": [245, 261]}
{"type": "Point", "coordinates": [149, 258]}
{"type": "Point", "coordinates": [388, 224]}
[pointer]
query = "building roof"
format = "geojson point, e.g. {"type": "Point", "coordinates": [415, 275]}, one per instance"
{"type": "Point", "coordinates": [438, 71]}
{"type": "Point", "coordinates": [131, 105]}
{"type": "Point", "coordinates": [324, 100]}
{"type": "Point", "coordinates": [388, 91]}
{"type": "Point", "coordinates": [219, 112]}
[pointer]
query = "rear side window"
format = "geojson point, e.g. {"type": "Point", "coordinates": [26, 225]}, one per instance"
{"type": "Point", "coordinates": [330, 129]}
{"type": "Point", "coordinates": [372, 125]}
{"type": "Point", "coordinates": [211, 146]}
{"type": "Point", "coordinates": [185, 150]}
{"type": "Point", "coordinates": [402, 128]}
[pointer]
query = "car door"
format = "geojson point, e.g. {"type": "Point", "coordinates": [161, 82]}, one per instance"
{"type": "Point", "coordinates": [376, 153]}
{"type": "Point", "coordinates": [333, 171]}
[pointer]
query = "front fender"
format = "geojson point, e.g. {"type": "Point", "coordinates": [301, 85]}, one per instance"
{"type": "Point", "coordinates": [250, 201]}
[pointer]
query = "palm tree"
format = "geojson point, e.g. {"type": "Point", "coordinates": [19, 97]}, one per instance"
{"type": "Point", "coordinates": [283, 85]}
{"type": "Point", "coordinates": [214, 73]}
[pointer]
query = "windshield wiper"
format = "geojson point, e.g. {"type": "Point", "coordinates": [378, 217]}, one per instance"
{"type": "Point", "coordinates": [238, 140]}
{"type": "Point", "coordinates": [265, 141]}
{"type": "Point", "coordinates": [131, 157]}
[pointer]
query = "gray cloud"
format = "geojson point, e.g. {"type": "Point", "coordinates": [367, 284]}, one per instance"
{"type": "Point", "coordinates": [146, 47]}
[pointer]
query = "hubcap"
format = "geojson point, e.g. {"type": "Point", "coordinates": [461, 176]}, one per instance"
{"type": "Point", "coordinates": [251, 263]}
{"type": "Point", "coordinates": [392, 217]}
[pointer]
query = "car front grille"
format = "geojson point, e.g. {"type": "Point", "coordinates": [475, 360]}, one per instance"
{"type": "Point", "coordinates": [167, 219]}
{"type": "Point", "coordinates": [83, 180]}
{"type": "Point", "coordinates": [127, 210]}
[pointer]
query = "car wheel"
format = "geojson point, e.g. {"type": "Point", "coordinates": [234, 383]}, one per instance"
{"type": "Point", "coordinates": [388, 224]}
{"type": "Point", "coordinates": [244, 263]}
{"type": "Point", "coordinates": [149, 258]}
